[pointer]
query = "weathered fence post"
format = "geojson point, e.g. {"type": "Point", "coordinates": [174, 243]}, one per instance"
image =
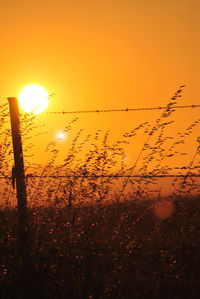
{"type": "Point", "coordinates": [23, 242]}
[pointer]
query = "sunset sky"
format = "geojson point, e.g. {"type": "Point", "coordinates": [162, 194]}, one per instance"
{"type": "Point", "coordinates": [102, 55]}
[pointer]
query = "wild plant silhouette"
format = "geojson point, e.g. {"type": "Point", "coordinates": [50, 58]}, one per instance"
{"type": "Point", "coordinates": [92, 233]}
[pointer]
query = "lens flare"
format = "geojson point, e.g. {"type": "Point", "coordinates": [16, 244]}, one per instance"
{"type": "Point", "coordinates": [61, 136]}
{"type": "Point", "coordinates": [163, 209]}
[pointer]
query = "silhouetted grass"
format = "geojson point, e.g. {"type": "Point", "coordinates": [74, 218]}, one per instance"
{"type": "Point", "coordinates": [96, 251]}
{"type": "Point", "coordinates": [90, 234]}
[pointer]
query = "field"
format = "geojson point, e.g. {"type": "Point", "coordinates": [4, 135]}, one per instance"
{"type": "Point", "coordinates": [98, 227]}
{"type": "Point", "coordinates": [101, 251]}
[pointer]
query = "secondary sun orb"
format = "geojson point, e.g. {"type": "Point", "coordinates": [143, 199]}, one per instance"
{"type": "Point", "coordinates": [33, 99]}
{"type": "Point", "coordinates": [60, 135]}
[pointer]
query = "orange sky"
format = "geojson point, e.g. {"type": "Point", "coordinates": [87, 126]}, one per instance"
{"type": "Point", "coordinates": [102, 55]}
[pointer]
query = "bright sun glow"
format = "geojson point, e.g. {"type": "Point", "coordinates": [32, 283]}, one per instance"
{"type": "Point", "coordinates": [34, 99]}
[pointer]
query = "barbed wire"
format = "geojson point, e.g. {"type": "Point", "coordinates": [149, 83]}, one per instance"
{"type": "Point", "coordinates": [117, 176]}
{"type": "Point", "coordinates": [121, 110]}
{"type": "Point", "coordinates": [106, 176]}
{"type": "Point", "coordinates": [112, 110]}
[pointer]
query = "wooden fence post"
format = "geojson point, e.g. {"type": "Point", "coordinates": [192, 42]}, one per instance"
{"type": "Point", "coordinates": [23, 242]}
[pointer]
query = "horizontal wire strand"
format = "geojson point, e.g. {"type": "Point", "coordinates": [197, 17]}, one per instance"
{"type": "Point", "coordinates": [115, 110]}
{"type": "Point", "coordinates": [121, 110]}
{"type": "Point", "coordinates": [108, 176]}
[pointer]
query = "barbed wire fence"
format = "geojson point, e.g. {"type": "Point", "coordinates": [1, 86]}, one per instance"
{"type": "Point", "coordinates": [105, 176]}
{"type": "Point", "coordinates": [122, 110]}
{"type": "Point", "coordinates": [115, 110]}
{"type": "Point", "coordinates": [166, 108]}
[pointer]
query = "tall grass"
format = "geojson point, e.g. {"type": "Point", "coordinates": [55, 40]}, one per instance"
{"type": "Point", "coordinates": [91, 235]}
{"type": "Point", "coordinates": [94, 168]}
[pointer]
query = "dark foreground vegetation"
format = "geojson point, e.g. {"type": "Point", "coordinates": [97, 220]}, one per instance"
{"type": "Point", "coordinates": [125, 249]}
{"type": "Point", "coordinates": [117, 250]}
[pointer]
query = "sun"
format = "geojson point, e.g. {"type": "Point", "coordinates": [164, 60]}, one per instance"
{"type": "Point", "coordinates": [33, 99]}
